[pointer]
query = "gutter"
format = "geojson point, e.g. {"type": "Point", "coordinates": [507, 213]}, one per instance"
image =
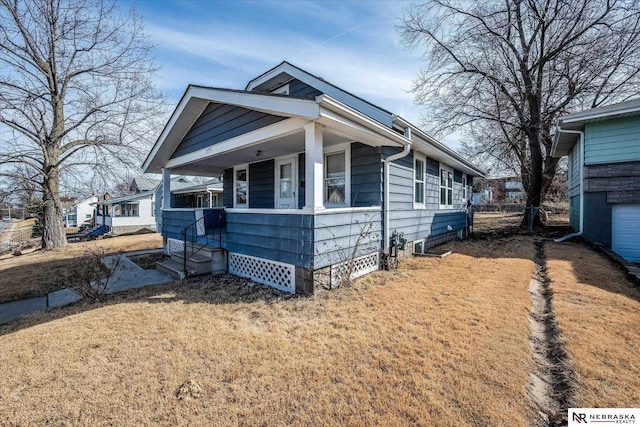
{"type": "Point", "coordinates": [387, 220]}
{"type": "Point", "coordinates": [581, 147]}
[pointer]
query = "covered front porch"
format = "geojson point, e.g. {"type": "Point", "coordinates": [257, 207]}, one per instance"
{"type": "Point", "coordinates": [277, 247]}
{"type": "Point", "coordinates": [300, 176]}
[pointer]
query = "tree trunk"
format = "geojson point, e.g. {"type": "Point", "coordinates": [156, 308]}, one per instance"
{"type": "Point", "coordinates": [531, 217]}
{"type": "Point", "coordinates": [53, 235]}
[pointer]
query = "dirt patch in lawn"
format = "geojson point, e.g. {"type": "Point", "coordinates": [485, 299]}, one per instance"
{"type": "Point", "coordinates": [598, 312]}
{"type": "Point", "coordinates": [148, 261]}
{"type": "Point", "coordinates": [438, 342]}
{"type": "Point", "coordinates": [40, 272]}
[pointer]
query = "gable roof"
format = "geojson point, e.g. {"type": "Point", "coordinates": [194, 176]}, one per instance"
{"type": "Point", "coordinates": [562, 141]}
{"type": "Point", "coordinates": [381, 126]}
{"type": "Point", "coordinates": [143, 184]}
{"type": "Point", "coordinates": [284, 72]}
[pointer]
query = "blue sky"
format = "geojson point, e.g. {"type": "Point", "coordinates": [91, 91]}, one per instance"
{"type": "Point", "coordinates": [352, 44]}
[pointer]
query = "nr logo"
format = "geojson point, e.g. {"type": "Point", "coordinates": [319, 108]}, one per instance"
{"type": "Point", "coordinates": [579, 418]}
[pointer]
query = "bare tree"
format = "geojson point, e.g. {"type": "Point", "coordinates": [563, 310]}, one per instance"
{"type": "Point", "coordinates": [507, 70]}
{"type": "Point", "coordinates": [75, 94]}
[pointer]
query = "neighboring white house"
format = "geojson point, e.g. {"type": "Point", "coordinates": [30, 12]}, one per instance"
{"type": "Point", "coordinates": [81, 212]}
{"type": "Point", "coordinates": [137, 211]}
{"type": "Point", "coordinates": [128, 214]}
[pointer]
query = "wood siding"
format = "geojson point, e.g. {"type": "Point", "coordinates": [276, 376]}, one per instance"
{"type": "Point", "coordinates": [336, 236]}
{"type": "Point", "coordinates": [612, 141]}
{"type": "Point", "coordinates": [574, 171]}
{"type": "Point", "coordinates": [262, 184]}
{"type": "Point", "coordinates": [298, 88]}
{"type": "Point", "coordinates": [220, 122]}
{"type": "Point", "coordinates": [366, 176]}
{"type": "Point", "coordinates": [174, 221]}
{"type": "Point", "coordinates": [278, 237]}
{"type": "Point", "coordinates": [227, 188]}
{"type": "Point", "coordinates": [422, 223]}
{"type": "Point", "coordinates": [574, 212]}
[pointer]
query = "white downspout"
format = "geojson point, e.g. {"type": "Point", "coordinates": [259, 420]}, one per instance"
{"type": "Point", "coordinates": [387, 222]}
{"type": "Point", "coordinates": [581, 157]}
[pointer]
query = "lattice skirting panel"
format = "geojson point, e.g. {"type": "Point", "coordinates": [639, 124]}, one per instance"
{"type": "Point", "coordinates": [174, 245]}
{"type": "Point", "coordinates": [361, 266]}
{"type": "Point", "coordinates": [271, 273]}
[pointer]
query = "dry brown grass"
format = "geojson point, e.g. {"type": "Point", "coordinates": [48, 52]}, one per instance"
{"type": "Point", "coordinates": [491, 222]}
{"type": "Point", "coordinates": [439, 342]}
{"type": "Point", "coordinates": [40, 272]}
{"type": "Point", "coordinates": [598, 311]}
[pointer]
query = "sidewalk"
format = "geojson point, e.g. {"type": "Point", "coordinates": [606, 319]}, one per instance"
{"type": "Point", "coordinates": [6, 234]}
{"type": "Point", "coordinates": [128, 275]}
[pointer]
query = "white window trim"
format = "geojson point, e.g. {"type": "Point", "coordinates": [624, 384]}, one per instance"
{"type": "Point", "coordinates": [235, 169]}
{"type": "Point", "coordinates": [346, 147]}
{"type": "Point", "coordinates": [465, 190]}
{"type": "Point", "coordinates": [423, 159]}
{"type": "Point", "coordinates": [449, 170]}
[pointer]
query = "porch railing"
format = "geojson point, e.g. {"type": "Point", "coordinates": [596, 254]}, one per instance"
{"type": "Point", "coordinates": [202, 233]}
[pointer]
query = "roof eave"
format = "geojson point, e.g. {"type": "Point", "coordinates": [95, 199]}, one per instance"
{"type": "Point", "coordinates": [199, 97]}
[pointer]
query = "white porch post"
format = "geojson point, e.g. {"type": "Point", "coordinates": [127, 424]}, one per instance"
{"type": "Point", "coordinates": [314, 167]}
{"type": "Point", "coordinates": [166, 188]}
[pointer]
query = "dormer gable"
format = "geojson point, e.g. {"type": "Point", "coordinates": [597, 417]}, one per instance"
{"type": "Point", "coordinates": [299, 82]}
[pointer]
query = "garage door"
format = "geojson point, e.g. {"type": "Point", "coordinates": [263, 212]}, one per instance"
{"type": "Point", "coordinates": [625, 231]}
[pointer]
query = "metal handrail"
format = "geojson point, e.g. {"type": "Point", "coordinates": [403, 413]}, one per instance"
{"type": "Point", "coordinates": [192, 228]}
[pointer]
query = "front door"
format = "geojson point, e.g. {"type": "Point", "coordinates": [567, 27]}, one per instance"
{"type": "Point", "coordinates": [286, 183]}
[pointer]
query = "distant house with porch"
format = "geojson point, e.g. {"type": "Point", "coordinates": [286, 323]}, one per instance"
{"type": "Point", "coordinates": [136, 211]}
{"type": "Point", "coordinates": [313, 177]}
{"type": "Point", "coordinates": [81, 212]}
{"type": "Point", "coordinates": [603, 148]}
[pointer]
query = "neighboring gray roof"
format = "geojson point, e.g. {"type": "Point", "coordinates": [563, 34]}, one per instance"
{"type": "Point", "coordinates": [180, 182]}
{"type": "Point", "coordinates": [145, 184]}
{"type": "Point", "coordinates": [212, 184]}
{"type": "Point", "coordinates": [127, 198]}
{"type": "Point", "coordinates": [563, 141]}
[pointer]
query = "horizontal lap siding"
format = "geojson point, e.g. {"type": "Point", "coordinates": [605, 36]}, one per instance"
{"type": "Point", "coordinates": [298, 88]}
{"type": "Point", "coordinates": [421, 223]}
{"type": "Point", "coordinates": [366, 176]}
{"type": "Point", "coordinates": [611, 141]}
{"type": "Point", "coordinates": [336, 236]}
{"type": "Point", "coordinates": [220, 122]}
{"type": "Point", "coordinates": [261, 184]}
{"type": "Point", "coordinates": [283, 238]}
{"type": "Point", "coordinates": [173, 222]}
{"type": "Point", "coordinates": [574, 212]}
{"type": "Point", "coordinates": [227, 188]}
{"type": "Point", "coordinates": [574, 171]}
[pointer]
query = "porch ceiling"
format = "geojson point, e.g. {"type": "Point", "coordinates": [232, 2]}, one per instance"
{"type": "Point", "coordinates": [282, 146]}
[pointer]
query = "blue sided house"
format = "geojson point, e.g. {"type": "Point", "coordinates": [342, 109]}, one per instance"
{"type": "Point", "coordinates": [314, 179]}
{"type": "Point", "coordinates": [603, 148]}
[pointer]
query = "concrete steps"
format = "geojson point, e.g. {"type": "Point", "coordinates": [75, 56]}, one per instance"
{"type": "Point", "coordinates": [200, 260]}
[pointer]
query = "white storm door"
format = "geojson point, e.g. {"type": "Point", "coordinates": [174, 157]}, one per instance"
{"type": "Point", "coordinates": [286, 183]}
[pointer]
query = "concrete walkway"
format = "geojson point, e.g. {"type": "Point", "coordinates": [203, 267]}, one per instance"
{"type": "Point", "coordinates": [128, 275]}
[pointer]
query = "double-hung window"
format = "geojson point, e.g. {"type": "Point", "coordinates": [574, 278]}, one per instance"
{"type": "Point", "coordinates": [241, 187]}
{"type": "Point", "coordinates": [446, 188]}
{"type": "Point", "coordinates": [418, 183]}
